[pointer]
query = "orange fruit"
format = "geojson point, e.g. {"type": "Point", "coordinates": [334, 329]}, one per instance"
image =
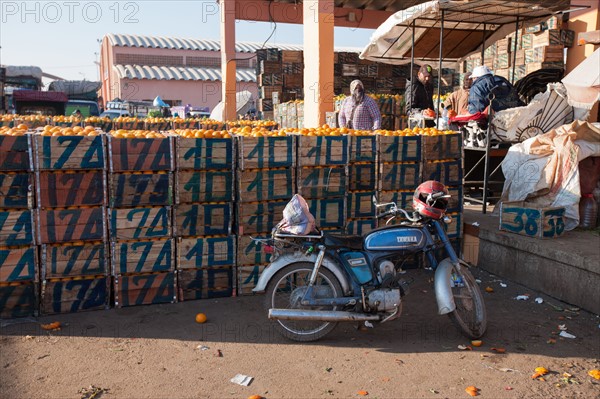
{"type": "Point", "coordinates": [476, 343]}
{"type": "Point", "coordinates": [200, 318]}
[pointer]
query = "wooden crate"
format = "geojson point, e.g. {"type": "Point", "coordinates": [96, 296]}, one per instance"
{"type": "Point", "coordinates": [454, 229]}
{"type": "Point", "coordinates": [328, 212]}
{"type": "Point", "coordinates": [75, 294]}
{"type": "Point", "coordinates": [133, 155]}
{"type": "Point", "coordinates": [16, 190]}
{"type": "Point", "coordinates": [399, 176]}
{"type": "Point", "coordinates": [360, 226]}
{"type": "Point", "coordinates": [16, 227]}
{"type": "Point", "coordinates": [186, 124]}
{"type": "Point", "coordinates": [72, 188]}
{"type": "Point", "coordinates": [322, 182]}
{"type": "Point", "coordinates": [193, 284]}
{"type": "Point", "coordinates": [140, 189]}
{"type": "Point", "coordinates": [265, 184]}
{"type": "Point", "coordinates": [248, 278]}
{"type": "Point", "coordinates": [74, 259]}
{"type": "Point", "coordinates": [363, 148]}
{"type": "Point", "coordinates": [322, 150]}
{"type": "Point", "coordinates": [15, 153]}
{"type": "Point", "coordinates": [402, 198]}
{"type": "Point", "coordinates": [400, 148]}
{"type": "Point", "coordinates": [200, 154]}
{"type": "Point", "coordinates": [145, 289]}
{"type": "Point", "coordinates": [157, 126]}
{"type": "Point", "coordinates": [455, 202]}
{"type": "Point", "coordinates": [362, 176]}
{"type": "Point", "coordinates": [449, 173]}
{"type": "Point", "coordinates": [67, 225]}
{"type": "Point", "coordinates": [129, 125]}
{"type": "Point", "coordinates": [140, 223]}
{"type": "Point", "coordinates": [146, 256]}
{"type": "Point", "coordinates": [250, 252]}
{"type": "Point", "coordinates": [258, 217]}
{"type": "Point", "coordinates": [206, 252]}
{"type": "Point", "coordinates": [266, 152]}
{"type": "Point", "coordinates": [70, 152]}
{"type": "Point", "coordinates": [192, 220]}
{"type": "Point", "coordinates": [446, 146]}
{"type": "Point", "coordinates": [18, 264]}
{"type": "Point", "coordinates": [194, 186]}
{"type": "Point", "coordinates": [360, 204]}
{"type": "Point", "coordinates": [531, 220]}
{"type": "Point", "coordinates": [18, 299]}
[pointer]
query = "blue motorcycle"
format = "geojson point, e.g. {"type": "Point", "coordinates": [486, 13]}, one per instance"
{"type": "Point", "coordinates": [316, 280]}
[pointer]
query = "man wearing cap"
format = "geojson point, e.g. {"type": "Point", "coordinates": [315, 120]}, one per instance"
{"type": "Point", "coordinates": [419, 95]}
{"type": "Point", "coordinates": [484, 84]}
{"type": "Point", "coordinates": [359, 111]}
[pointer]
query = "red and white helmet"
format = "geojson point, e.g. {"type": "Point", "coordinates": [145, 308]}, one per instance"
{"type": "Point", "coordinates": [435, 207]}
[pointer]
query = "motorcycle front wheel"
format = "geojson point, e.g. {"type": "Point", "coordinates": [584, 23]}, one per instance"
{"type": "Point", "coordinates": [285, 291]}
{"type": "Point", "coordinates": [469, 316]}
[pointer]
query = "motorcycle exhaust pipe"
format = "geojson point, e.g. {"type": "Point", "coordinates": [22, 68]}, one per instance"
{"type": "Point", "coordinates": [320, 315]}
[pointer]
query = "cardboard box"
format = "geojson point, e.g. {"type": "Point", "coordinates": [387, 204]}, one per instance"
{"type": "Point", "coordinates": [529, 220]}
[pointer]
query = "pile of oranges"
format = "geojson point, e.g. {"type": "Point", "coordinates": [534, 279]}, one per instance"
{"type": "Point", "coordinates": [68, 131]}
{"type": "Point", "coordinates": [202, 133]}
{"type": "Point", "coordinates": [65, 119]}
{"type": "Point", "coordinates": [137, 134]}
{"type": "Point", "coordinates": [19, 130]}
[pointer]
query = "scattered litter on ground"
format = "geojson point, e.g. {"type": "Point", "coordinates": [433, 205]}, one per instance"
{"type": "Point", "coordinates": [551, 341]}
{"type": "Point", "coordinates": [464, 348]}
{"type": "Point", "coordinates": [368, 324]}
{"type": "Point", "coordinates": [498, 350]}
{"type": "Point", "coordinates": [92, 392]}
{"type": "Point", "coordinates": [328, 369]}
{"type": "Point", "coordinates": [202, 347]}
{"type": "Point", "coordinates": [539, 300]}
{"type": "Point", "coordinates": [433, 391]}
{"type": "Point", "coordinates": [243, 380]}
{"type": "Point", "coordinates": [562, 327]}
{"type": "Point", "coordinates": [594, 374]}
{"type": "Point", "coordinates": [218, 353]}
{"type": "Point", "coordinates": [522, 297]}
{"type": "Point", "coordinates": [489, 289]}
{"type": "Point", "coordinates": [362, 393]}
{"type": "Point", "coordinates": [476, 224]}
{"type": "Point", "coordinates": [503, 285]}
{"type": "Point", "coordinates": [51, 326]}
{"type": "Point", "coordinates": [565, 334]}
{"type": "Point", "coordinates": [473, 391]}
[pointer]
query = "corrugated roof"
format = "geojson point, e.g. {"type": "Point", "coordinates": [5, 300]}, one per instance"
{"type": "Point", "coordinates": [180, 73]}
{"type": "Point", "coordinates": [176, 43]}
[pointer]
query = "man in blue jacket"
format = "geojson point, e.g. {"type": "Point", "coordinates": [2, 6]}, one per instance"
{"type": "Point", "coordinates": [485, 83]}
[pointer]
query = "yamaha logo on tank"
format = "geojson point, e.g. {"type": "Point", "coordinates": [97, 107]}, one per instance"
{"type": "Point", "coordinates": [407, 239]}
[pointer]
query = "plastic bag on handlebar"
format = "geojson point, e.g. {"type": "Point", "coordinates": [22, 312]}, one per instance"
{"type": "Point", "coordinates": [297, 218]}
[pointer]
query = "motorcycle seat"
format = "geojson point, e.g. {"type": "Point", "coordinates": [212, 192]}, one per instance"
{"type": "Point", "coordinates": [345, 241]}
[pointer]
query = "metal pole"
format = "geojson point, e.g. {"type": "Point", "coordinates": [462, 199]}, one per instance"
{"type": "Point", "coordinates": [483, 44]}
{"type": "Point", "coordinates": [437, 121]}
{"type": "Point", "coordinates": [515, 52]}
{"type": "Point", "coordinates": [412, 58]}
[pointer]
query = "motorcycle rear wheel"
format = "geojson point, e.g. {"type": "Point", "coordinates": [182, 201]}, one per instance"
{"type": "Point", "coordinates": [285, 290]}
{"type": "Point", "coordinates": [470, 315]}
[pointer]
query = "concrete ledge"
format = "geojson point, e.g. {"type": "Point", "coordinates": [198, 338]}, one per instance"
{"type": "Point", "coordinates": [567, 268]}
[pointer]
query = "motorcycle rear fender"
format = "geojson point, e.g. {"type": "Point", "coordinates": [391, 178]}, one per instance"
{"type": "Point", "coordinates": [287, 259]}
{"type": "Point", "coordinates": [443, 291]}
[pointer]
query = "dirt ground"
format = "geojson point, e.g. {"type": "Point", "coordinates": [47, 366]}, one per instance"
{"type": "Point", "coordinates": [160, 351]}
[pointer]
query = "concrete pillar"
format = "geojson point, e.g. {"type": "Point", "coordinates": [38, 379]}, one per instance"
{"type": "Point", "coordinates": [228, 64]}
{"type": "Point", "coordinates": [318, 60]}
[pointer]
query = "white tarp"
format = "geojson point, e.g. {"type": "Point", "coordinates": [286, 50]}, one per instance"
{"type": "Point", "coordinates": [544, 170]}
{"type": "Point", "coordinates": [583, 82]}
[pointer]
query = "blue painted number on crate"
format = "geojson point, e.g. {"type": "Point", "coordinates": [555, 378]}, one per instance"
{"type": "Point", "coordinates": [92, 159]}
{"type": "Point", "coordinates": [16, 196]}
{"type": "Point", "coordinates": [76, 252]}
{"type": "Point", "coordinates": [25, 267]}
{"type": "Point", "coordinates": [556, 224]}
{"type": "Point", "coordinates": [159, 227]}
{"type": "Point", "coordinates": [96, 296]}
{"type": "Point", "coordinates": [212, 261]}
{"type": "Point", "coordinates": [525, 220]}
{"type": "Point", "coordinates": [211, 162]}
{"type": "Point", "coordinates": [22, 227]}
{"type": "Point", "coordinates": [164, 293]}
{"type": "Point", "coordinates": [190, 222]}
{"type": "Point", "coordinates": [162, 262]}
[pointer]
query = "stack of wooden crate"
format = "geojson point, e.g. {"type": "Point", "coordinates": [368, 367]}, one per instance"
{"type": "Point", "coordinates": [443, 161]}
{"type": "Point", "coordinates": [72, 220]}
{"type": "Point", "coordinates": [140, 201]}
{"type": "Point", "coordinates": [323, 178]}
{"type": "Point", "coordinates": [203, 217]}
{"type": "Point", "coordinates": [265, 182]}
{"type": "Point", "coordinates": [362, 184]}
{"type": "Point", "coordinates": [400, 168]}
{"type": "Point", "coordinates": [18, 254]}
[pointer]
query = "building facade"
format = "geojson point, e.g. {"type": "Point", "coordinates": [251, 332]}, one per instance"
{"type": "Point", "coordinates": [180, 71]}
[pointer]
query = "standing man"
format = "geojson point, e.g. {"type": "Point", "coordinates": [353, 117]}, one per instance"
{"type": "Point", "coordinates": [419, 95]}
{"type": "Point", "coordinates": [458, 101]}
{"type": "Point", "coordinates": [359, 111]}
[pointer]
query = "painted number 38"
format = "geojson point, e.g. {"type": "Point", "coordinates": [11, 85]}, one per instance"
{"type": "Point", "coordinates": [527, 220]}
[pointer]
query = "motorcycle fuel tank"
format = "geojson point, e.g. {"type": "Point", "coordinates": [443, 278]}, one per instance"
{"type": "Point", "coordinates": [395, 239]}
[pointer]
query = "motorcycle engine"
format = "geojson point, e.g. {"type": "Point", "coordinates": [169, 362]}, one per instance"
{"type": "Point", "coordinates": [384, 300]}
